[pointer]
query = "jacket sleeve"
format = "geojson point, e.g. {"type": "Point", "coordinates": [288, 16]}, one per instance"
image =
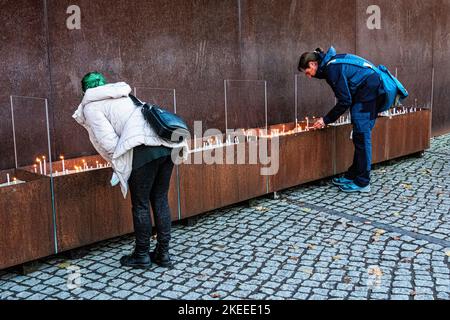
{"type": "Point", "coordinates": [338, 82]}
{"type": "Point", "coordinates": [103, 133]}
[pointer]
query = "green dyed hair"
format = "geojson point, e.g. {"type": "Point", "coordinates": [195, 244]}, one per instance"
{"type": "Point", "coordinates": [92, 80]}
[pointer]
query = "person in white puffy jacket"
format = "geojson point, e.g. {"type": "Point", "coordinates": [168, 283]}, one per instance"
{"type": "Point", "coordinates": [141, 160]}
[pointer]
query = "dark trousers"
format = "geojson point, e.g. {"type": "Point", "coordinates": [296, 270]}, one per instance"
{"type": "Point", "coordinates": [150, 183]}
{"type": "Point", "coordinates": [363, 118]}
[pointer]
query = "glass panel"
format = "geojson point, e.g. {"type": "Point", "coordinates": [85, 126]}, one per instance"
{"type": "Point", "coordinates": [31, 134]}
{"type": "Point", "coordinates": [7, 158]}
{"type": "Point", "coordinates": [245, 104]}
{"type": "Point", "coordinates": [312, 94]}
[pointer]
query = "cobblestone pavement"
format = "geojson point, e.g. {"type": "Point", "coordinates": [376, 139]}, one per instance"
{"type": "Point", "coordinates": [312, 243]}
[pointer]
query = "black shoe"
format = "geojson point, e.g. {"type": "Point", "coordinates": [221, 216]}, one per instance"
{"type": "Point", "coordinates": [136, 261]}
{"type": "Point", "coordinates": [162, 259]}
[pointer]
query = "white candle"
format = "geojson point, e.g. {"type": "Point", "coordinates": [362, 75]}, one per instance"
{"type": "Point", "coordinates": [40, 165]}
{"type": "Point", "coordinates": [7, 178]}
{"type": "Point", "coordinates": [35, 168]}
{"type": "Point", "coordinates": [84, 165]}
{"type": "Point", "coordinates": [45, 166]}
{"type": "Point", "coordinates": [307, 122]}
{"type": "Point", "coordinates": [96, 163]}
{"type": "Point", "coordinates": [195, 142]}
{"type": "Point", "coordinates": [63, 164]}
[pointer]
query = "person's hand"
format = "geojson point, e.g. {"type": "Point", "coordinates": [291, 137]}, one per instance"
{"type": "Point", "coordinates": [319, 124]}
{"type": "Point", "coordinates": [114, 180]}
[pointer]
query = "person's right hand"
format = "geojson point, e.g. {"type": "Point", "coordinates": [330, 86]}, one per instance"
{"type": "Point", "coordinates": [319, 124]}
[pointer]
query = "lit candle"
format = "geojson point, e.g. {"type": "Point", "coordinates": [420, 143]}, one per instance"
{"type": "Point", "coordinates": [14, 180]}
{"type": "Point", "coordinates": [40, 165]}
{"type": "Point", "coordinates": [45, 166]}
{"type": "Point", "coordinates": [84, 164]}
{"type": "Point", "coordinates": [35, 168]}
{"type": "Point", "coordinates": [96, 162]}
{"type": "Point", "coordinates": [63, 164]}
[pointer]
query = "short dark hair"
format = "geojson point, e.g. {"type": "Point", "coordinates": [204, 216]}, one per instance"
{"type": "Point", "coordinates": [308, 57]}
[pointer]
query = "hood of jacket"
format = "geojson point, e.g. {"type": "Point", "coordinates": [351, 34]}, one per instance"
{"type": "Point", "coordinates": [108, 91]}
{"type": "Point", "coordinates": [326, 57]}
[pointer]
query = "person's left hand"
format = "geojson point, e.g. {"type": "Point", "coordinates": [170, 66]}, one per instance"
{"type": "Point", "coordinates": [319, 124]}
{"type": "Point", "coordinates": [114, 180]}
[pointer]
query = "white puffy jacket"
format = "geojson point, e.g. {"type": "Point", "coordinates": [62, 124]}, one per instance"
{"type": "Point", "coordinates": [115, 126]}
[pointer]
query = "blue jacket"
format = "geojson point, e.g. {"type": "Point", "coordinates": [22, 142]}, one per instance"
{"type": "Point", "coordinates": [351, 84]}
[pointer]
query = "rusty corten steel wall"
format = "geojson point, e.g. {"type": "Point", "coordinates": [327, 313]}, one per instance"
{"type": "Point", "coordinates": [441, 61]}
{"type": "Point", "coordinates": [194, 45]}
{"type": "Point", "coordinates": [405, 43]}
{"type": "Point", "coordinates": [23, 67]}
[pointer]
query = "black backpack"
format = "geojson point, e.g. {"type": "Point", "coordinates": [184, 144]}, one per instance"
{"type": "Point", "coordinates": [167, 125]}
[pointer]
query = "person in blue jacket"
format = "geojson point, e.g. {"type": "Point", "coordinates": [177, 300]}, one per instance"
{"type": "Point", "coordinates": [358, 89]}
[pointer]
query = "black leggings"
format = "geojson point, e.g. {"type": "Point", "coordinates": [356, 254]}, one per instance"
{"type": "Point", "coordinates": [151, 183]}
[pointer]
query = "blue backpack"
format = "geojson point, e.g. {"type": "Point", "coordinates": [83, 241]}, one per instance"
{"type": "Point", "coordinates": [394, 90]}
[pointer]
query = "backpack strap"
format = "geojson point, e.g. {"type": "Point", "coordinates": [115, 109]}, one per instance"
{"type": "Point", "coordinates": [136, 101]}
{"type": "Point", "coordinates": [355, 62]}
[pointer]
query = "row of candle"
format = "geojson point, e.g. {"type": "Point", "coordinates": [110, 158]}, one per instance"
{"type": "Point", "coordinates": [76, 169]}
{"type": "Point", "coordinates": [399, 111]}
{"type": "Point", "coordinates": [343, 120]}
{"type": "Point", "coordinates": [10, 182]}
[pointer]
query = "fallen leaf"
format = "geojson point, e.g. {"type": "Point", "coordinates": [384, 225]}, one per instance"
{"type": "Point", "coordinates": [308, 271]}
{"type": "Point", "coordinates": [419, 250]}
{"type": "Point", "coordinates": [219, 248]}
{"type": "Point", "coordinates": [413, 293]}
{"type": "Point", "coordinates": [305, 209]}
{"type": "Point", "coordinates": [448, 253]}
{"type": "Point", "coordinates": [311, 247]}
{"type": "Point", "coordinates": [215, 295]}
{"type": "Point", "coordinates": [397, 214]}
{"type": "Point", "coordinates": [375, 271]}
{"type": "Point", "coordinates": [64, 265]}
{"type": "Point", "coordinates": [262, 209]}
{"type": "Point", "coordinates": [347, 279]}
{"type": "Point", "coordinates": [293, 258]}
{"type": "Point", "coordinates": [396, 238]}
{"type": "Point", "coordinates": [380, 232]}
{"type": "Point", "coordinates": [407, 186]}
{"type": "Point", "coordinates": [337, 258]}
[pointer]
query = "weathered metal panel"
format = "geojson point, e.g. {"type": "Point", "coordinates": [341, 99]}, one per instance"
{"type": "Point", "coordinates": [23, 67]}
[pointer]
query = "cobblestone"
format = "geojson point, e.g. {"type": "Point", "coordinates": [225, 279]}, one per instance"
{"type": "Point", "coordinates": [313, 243]}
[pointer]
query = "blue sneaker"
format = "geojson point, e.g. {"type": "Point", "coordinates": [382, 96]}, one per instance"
{"type": "Point", "coordinates": [351, 187]}
{"type": "Point", "coordinates": [341, 181]}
